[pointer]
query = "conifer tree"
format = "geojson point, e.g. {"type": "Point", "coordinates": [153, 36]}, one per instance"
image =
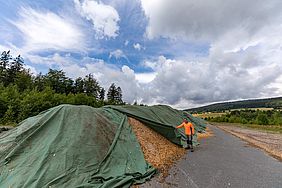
{"type": "Point", "coordinates": [16, 67]}
{"type": "Point", "coordinates": [4, 63]}
{"type": "Point", "coordinates": [102, 94]}
{"type": "Point", "coordinates": [114, 94]}
{"type": "Point", "coordinates": [79, 85]}
{"type": "Point", "coordinates": [119, 96]}
{"type": "Point", "coordinates": [111, 93]}
{"type": "Point", "coordinates": [91, 86]}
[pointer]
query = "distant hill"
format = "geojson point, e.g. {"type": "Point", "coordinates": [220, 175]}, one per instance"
{"type": "Point", "coordinates": [275, 103]}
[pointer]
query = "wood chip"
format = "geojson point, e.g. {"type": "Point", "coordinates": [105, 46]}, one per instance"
{"type": "Point", "coordinates": [206, 134]}
{"type": "Point", "coordinates": [158, 151]}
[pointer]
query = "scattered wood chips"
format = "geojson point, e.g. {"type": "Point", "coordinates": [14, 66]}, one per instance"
{"type": "Point", "coordinates": [158, 151]}
{"type": "Point", "coordinates": [206, 134]}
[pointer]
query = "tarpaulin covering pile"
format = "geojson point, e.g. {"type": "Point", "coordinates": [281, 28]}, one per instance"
{"type": "Point", "coordinates": [163, 119]}
{"type": "Point", "coordinates": [81, 146]}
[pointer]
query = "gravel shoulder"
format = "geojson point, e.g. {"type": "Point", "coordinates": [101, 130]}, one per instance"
{"type": "Point", "coordinates": [269, 142]}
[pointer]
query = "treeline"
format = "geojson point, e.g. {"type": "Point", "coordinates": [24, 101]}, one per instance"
{"type": "Point", "coordinates": [275, 103]}
{"type": "Point", "coordinates": [270, 117]}
{"type": "Point", "coordinates": [23, 95]}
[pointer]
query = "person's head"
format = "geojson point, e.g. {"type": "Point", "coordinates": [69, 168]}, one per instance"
{"type": "Point", "coordinates": [185, 120]}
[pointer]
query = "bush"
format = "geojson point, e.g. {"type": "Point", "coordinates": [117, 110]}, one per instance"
{"type": "Point", "coordinates": [262, 119]}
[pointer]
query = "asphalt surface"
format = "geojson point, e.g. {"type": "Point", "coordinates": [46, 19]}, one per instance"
{"type": "Point", "coordinates": [223, 161]}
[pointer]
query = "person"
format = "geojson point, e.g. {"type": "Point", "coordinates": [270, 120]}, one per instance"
{"type": "Point", "coordinates": [189, 132]}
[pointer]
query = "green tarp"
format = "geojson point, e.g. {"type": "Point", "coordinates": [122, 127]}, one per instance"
{"type": "Point", "coordinates": [81, 146]}
{"type": "Point", "coordinates": [72, 146]}
{"type": "Point", "coordinates": [163, 119]}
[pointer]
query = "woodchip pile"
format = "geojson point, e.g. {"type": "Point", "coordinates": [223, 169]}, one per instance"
{"type": "Point", "coordinates": [158, 151]}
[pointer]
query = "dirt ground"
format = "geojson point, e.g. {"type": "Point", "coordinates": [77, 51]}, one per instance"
{"type": "Point", "coordinates": [269, 142]}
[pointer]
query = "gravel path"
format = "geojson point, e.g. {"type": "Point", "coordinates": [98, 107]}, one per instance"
{"type": "Point", "coordinates": [223, 161]}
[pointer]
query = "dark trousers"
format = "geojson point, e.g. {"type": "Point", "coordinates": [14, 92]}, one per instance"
{"type": "Point", "coordinates": [190, 141]}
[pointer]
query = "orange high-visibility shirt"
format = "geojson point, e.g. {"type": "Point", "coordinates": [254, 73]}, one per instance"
{"type": "Point", "coordinates": [187, 127]}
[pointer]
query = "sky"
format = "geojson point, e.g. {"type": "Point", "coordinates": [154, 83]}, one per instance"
{"type": "Point", "coordinates": [183, 53]}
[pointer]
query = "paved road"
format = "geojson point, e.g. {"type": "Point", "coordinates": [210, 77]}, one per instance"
{"type": "Point", "coordinates": [224, 161]}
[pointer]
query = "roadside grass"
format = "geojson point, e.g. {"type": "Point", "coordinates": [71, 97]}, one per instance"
{"type": "Point", "coordinates": [268, 128]}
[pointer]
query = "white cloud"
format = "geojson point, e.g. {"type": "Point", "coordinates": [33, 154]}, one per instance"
{"type": "Point", "coordinates": [104, 18]}
{"type": "Point", "coordinates": [137, 46]}
{"type": "Point", "coordinates": [117, 54]}
{"type": "Point", "coordinates": [126, 42]}
{"type": "Point", "coordinates": [42, 30]}
{"type": "Point", "coordinates": [145, 78]}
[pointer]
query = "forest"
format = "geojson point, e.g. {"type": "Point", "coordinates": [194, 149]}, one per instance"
{"type": "Point", "coordinates": [23, 94]}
